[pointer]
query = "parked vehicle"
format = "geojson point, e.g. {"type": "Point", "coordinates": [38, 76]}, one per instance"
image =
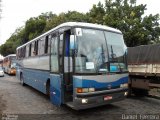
{"type": "Point", "coordinates": [1, 72]}
{"type": "Point", "coordinates": [144, 68]}
{"type": "Point", "coordinates": [81, 65]}
{"type": "Point", "coordinates": [1, 62]}
{"type": "Point", "coordinates": [9, 64]}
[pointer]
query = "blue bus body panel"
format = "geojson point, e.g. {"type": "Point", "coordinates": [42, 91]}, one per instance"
{"type": "Point", "coordinates": [56, 89]}
{"type": "Point", "coordinates": [90, 83]}
{"type": "Point", "coordinates": [36, 78]}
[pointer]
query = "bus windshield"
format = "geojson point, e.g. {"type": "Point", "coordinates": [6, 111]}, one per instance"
{"type": "Point", "coordinates": [12, 57]}
{"type": "Point", "coordinates": [99, 52]}
{"type": "Point", "coordinates": [13, 65]}
{"type": "Point", "coordinates": [117, 52]}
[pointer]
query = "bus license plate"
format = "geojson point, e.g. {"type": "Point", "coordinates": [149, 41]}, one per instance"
{"type": "Point", "coordinates": [107, 97]}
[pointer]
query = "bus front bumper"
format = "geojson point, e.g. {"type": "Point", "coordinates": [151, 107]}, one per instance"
{"type": "Point", "coordinates": [90, 101]}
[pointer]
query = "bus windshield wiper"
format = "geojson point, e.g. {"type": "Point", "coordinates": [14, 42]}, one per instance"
{"type": "Point", "coordinates": [115, 59]}
{"type": "Point", "coordinates": [101, 59]}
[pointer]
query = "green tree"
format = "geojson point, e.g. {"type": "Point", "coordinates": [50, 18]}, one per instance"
{"type": "Point", "coordinates": [12, 43]}
{"type": "Point", "coordinates": [128, 17]}
{"type": "Point", "coordinates": [97, 13]}
{"type": "Point", "coordinates": [124, 15]}
{"type": "Point", "coordinates": [34, 27]}
{"type": "Point", "coordinates": [70, 16]}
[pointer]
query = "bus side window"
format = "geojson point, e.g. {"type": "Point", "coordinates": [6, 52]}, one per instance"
{"type": "Point", "coordinates": [41, 46]}
{"type": "Point", "coordinates": [37, 47]}
{"type": "Point", "coordinates": [30, 47]}
{"type": "Point", "coordinates": [16, 54]}
{"type": "Point", "coordinates": [27, 51]}
{"type": "Point", "coordinates": [32, 50]}
{"type": "Point", "coordinates": [61, 45]}
{"type": "Point", "coordinates": [19, 53]}
{"type": "Point", "coordinates": [24, 52]}
{"type": "Point", "coordinates": [49, 43]}
{"type": "Point", "coordinates": [46, 45]}
{"type": "Point", "coordinates": [35, 52]}
{"type": "Point", "coordinates": [61, 52]}
{"type": "Point", "coordinates": [54, 54]}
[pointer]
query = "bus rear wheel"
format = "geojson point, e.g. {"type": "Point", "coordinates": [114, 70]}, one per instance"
{"type": "Point", "coordinates": [22, 80]}
{"type": "Point", "coordinates": [48, 88]}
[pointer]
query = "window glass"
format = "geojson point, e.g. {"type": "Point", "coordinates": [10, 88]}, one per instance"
{"type": "Point", "coordinates": [91, 51]}
{"type": "Point", "coordinates": [61, 44]}
{"type": "Point", "coordinates": [30, 47]}
{"type": "Point", "coordinates": [40, 46]}
{"type": "Point", "coordinates": [32, 50]}
{"type": "Point", "coordinates": [54, 54]}
{"type": "Point", "coordinates": [46, 45]}
{"type": "Point", "coordinates": [24, 52]}
{"type": "Point", "coordinates": [27, 50]}
{"type": "Point", "coordinates": [36, 47]}
{"type": "Point", "coordinates": [117, 50]}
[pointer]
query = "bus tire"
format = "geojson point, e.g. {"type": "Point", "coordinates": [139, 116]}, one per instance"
{"type": "Point", "coordinates": [48, 88]}
{"type": "Point", "coordinates": [22, 80]}
{"type": "Point", "coordinates": [140, 92]}
{"type": "Point", "coordinates": [129, 91]}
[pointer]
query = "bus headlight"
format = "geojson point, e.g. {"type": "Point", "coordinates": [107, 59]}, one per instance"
{"type": "Point", "coordinates": [124, 85]}
{"type": "Point", "coordinates": [85, 90]}
{"type": "Point", "coordinates": [125, 93]}
{"type": "Point", "coordinates": [84, 100]}
{"type": "Point", "coordinates": [91, 89]}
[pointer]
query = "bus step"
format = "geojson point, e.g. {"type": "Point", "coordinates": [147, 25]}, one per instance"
{"type": "Point", "coordinates": [70, 104]}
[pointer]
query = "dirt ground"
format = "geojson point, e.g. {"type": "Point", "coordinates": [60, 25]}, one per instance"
{"type": "Point", "coordinates": [26, 103]}
{"type": "Point", "coordinates": [2, 104]}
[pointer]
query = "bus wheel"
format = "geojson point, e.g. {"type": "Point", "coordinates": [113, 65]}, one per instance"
{"type": "Point", "coordinates": [140, 92]}
{"type": "Point", "coordinates": [129, 91]}
{"type": "Point", "coordinates": [48, 88]}
{"type": "Point", "coordinates": [22, 80]}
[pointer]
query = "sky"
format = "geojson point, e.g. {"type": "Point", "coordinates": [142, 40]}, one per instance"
{"type": "Point", "coordinates": [16, 12]}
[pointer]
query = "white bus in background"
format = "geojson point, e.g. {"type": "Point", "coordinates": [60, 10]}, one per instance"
{"type": "Point", "coordinates": [9, 64]}
{"type": "Point", "coordinates": [1, 62]}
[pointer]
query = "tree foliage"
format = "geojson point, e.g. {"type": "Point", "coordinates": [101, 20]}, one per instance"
{"type": "Point", "coordinates": [97, 13]}
{"type": "Point", "coordinates": [70, 16]}
{"type": "Point", "coordinates": [124, 15]}
{"type": "Point", "coordinates": [128, 17]}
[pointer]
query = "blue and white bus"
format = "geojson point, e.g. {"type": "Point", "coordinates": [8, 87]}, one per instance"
{"type": "Point", "coordinates": [81, 65]}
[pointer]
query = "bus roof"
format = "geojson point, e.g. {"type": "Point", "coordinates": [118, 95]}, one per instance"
{"type": "Point", "coordinates": [76, 24]}
{"type": "Point", "coordinates": [11, 55]}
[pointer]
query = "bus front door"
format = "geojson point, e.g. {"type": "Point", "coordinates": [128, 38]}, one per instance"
{"type": "Point", "coordinates": [55, 89]}
{"type": "Point", "coordinates": [61, 90]}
